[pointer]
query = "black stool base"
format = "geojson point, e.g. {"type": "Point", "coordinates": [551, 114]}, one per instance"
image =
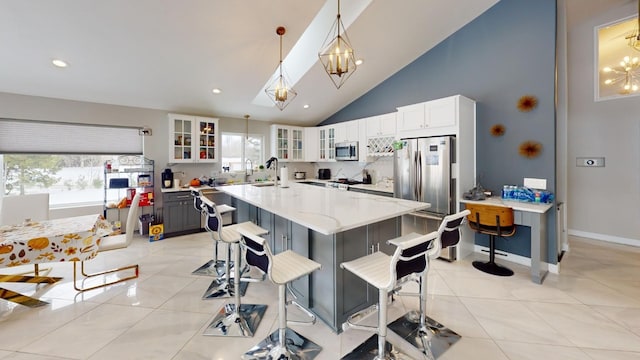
{"type": "Point", "coordinates": [243, 323]}
{"type": "Point", "coordinates": [297, 347]}
{"type": "Point", "coordinates": [492, 268]}
{"type": "Point", "coordinates": [221, 289]}
{"type": "Point", "coordinates": [212, 268]}
{"type": "Point", "coordinates": [431, 342]}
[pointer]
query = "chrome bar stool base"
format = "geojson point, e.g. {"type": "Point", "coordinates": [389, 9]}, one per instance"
{"type": "Point", "coordinates": [229, 322]}
{"type": "Point", "coordinates": [432, 341]}
{"type": "Point", "coordinates": [297, 347]}
{"type": "Point", "coordinates": [211, 268]}
{"type": "Point", "coordinates": [369, 351]}
{"type": "Point", "coordinates": [221, 289]}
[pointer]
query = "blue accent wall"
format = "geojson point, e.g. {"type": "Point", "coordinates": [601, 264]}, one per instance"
{"type": "Point", "coordinates": [505, 53]}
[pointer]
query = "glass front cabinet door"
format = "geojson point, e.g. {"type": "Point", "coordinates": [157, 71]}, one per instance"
{"type": "Point", "coordinates": [192, 139]}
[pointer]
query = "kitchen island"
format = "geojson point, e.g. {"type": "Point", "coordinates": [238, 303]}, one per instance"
{"type": "Point", "coordinates": [329, 226]}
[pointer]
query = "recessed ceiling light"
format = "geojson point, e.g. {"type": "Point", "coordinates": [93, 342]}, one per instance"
{"type": "Point", "coordinates": [216, 91]}
{"type": "Point", "coordinates": [306, 106]}
{"type": "Point", "coordinates": [359, 62]}
{"type": "Point", "coordinates": [59, 63]}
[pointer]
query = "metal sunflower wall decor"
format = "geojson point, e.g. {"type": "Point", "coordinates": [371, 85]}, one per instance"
{"type": "Point", "coordinates": [498, 130]}
{"type": "Point", "coordinates": [527, 103]}
{"type": "Point", "coordinates": [530, 149]}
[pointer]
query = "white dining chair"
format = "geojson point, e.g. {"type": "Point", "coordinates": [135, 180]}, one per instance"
{"type": "Point", "coordinates": [113, 242]}
{"type": "Point", "coordinates": [16, 209]}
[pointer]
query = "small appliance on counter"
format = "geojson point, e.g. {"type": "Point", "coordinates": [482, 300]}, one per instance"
{"type": "Point", "coordinates": [167, 179]}
{"type": "Point", "coordinates": [366, 177]}
{"type": "Point", "coordinates": [299, 175]}
{"type": "Point", "coordinates": [324, 174]}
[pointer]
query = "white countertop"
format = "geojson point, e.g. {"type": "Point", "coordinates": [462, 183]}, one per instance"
{"type": "Point", "coordinates": [515, 205]}
{"type": "Point", "coordinates": [326, 210]}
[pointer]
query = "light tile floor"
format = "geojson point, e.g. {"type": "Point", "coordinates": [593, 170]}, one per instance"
{"type": "Point", "coordinates": [591, 311]}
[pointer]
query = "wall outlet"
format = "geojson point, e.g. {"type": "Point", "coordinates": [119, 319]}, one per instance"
{"type": "Point", "coordinates": [590, 161]}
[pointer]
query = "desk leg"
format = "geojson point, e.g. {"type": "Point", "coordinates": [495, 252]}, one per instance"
{"type": "Point", "coordinates": [538, 224]}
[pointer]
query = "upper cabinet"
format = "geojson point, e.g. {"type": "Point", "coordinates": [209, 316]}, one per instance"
{"type": "Point", "coordinates": [287, 143]}
{"type": "Point", "coordinates": [381, 125]}
{"type": "Point", "coordinates": [193, 139]}
{"type": "Point", "coordinates": [381, 132]}
{"type": "Point", "coordinates": [431, 114]}
{"type": "Point", "coordinates": [327, 143]}
{"type": "Point", "coordinates": [311, 146]}
{"type": "Point", "coordinates": [347, 131]}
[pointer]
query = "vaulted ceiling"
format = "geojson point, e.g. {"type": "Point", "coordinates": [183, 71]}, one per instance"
{"type": "Point", "coordinates": [169, 55]}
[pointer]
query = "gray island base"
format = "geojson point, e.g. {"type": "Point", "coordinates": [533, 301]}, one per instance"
{"type": "Point", "coordinates": [329, 226]}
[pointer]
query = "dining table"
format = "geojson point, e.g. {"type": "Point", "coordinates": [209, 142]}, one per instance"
{"type": "Point", "coordinates": [36, 242]}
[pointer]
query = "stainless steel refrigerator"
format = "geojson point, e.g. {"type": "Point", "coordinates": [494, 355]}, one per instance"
{"type": "Point", "coordinates": [423, 172]}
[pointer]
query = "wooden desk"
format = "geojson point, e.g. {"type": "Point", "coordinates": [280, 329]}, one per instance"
{"type": "Point", "coordinates": [533, 215]}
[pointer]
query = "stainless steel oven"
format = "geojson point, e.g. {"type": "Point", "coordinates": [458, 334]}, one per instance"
{"type": "Point", "coordinates": [347, 151]}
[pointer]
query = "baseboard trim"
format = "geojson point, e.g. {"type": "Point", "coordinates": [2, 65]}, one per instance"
{"type": "Point", "coordinates": [604, 237]}
{"type": "Point", "coordinates": [518, 259]}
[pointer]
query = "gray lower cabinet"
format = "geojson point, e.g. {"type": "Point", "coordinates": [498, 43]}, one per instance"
{"type": "Point", "coordinates": [179, 215]}
{"type": "Point", "coordinates": [335, 293]}
{"type": "Point", "coordinates": [244, 212]}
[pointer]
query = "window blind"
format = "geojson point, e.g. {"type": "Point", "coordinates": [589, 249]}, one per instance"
{"type": "Point", "coordinates": [44, 137]}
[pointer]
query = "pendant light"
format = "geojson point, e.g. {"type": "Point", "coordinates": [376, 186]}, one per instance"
{"type": "Point", "coordinates": [336, 53]}
{"type": "Point", "coordinates": [280, 92]}
{"type": "Point", "coordinates": [634, 37]}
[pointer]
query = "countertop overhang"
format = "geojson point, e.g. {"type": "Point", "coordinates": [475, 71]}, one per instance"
{"type": "Point", "coordinates": [325, 210]}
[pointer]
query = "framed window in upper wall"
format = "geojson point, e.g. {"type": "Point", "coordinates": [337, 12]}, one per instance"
{"type": "Point", "coordinates": [617, 72]}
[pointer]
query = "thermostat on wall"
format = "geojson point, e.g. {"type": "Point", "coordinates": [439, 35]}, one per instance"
{"type": "Point", "coordinates": [590, 161]}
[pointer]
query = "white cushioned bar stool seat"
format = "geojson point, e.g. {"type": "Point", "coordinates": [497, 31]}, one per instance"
{"type": "Point", "coordinates": [383, 272]}
{"type": "Point", "coordinates": [282, 268]}
{"type": "Point", "coordinates": [425, 334]}
{"type": "Point", "coordinates": [214, 267]}
{"type": "Point", "coordinates": [234, 319]}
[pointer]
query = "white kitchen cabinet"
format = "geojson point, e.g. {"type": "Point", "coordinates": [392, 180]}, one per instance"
{"type": "Point", "coordinates": [287, 142]}
{"type": "Point", "coordinates": [347, 131]}
{"type": "Point", "coordinates": [193, 139]}
{"type": "Point", "coordinates": [327, 143]}
{"type": "Point", "coordinates": [311, 146]}
{"type": "Point", "coordinates": [381, 125]}
{"type": "Point", "coordinates": [381, 132]}
{"type": "Point", "coordinates": [430, 114]}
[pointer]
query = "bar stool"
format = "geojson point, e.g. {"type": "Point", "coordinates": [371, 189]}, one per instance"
{"type": "Point", "coordinates": [494, 221]}
{"type": "Point", "coordinates": [382, 272]}
{"type": "Point", "coordinates": [424, 333]}
{"type": "Point", "coordinates": [233, 319]}
{"type": "Point", "coordinates": [214, 267]}
{"type": "Point", "coordinates": [282, 269]}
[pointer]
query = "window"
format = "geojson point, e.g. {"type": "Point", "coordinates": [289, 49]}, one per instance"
{"type": "Point", "coordinates": [617, 61]}
{"type": "Point", "coordinates": [64, 159]}
{"type": "Point", "coordinates": [237, 149]}
{"type": "Point", "coordinates": [69, 179]}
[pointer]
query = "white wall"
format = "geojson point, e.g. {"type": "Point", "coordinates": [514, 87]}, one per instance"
{"type": "Point", "coordinates": [155, 146]}
{"type": "Point", "coordinates": [603, 203]}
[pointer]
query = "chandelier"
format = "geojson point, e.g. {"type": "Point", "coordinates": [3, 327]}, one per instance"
{"type": "Point", "coordinates": [634, 37]}
{"type": "Point", "coordinates": [336, 53]}
{"type": "Point", "coordinates": [627, 73]}
{"type": "Point", "coordinates": [280, 92]}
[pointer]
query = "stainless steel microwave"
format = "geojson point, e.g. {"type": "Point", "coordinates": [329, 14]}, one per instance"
{"type": "Point", "coordinates": [347, 151]}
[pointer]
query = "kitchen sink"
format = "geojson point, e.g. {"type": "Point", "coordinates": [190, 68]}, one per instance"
{"type": "Point", "coordinates": [263, 184]}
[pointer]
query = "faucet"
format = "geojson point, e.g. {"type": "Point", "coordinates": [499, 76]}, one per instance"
{"type": "Point", "coordinates": [248, 170]}
{"type": "Point", "coordinates": [268, 164]}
